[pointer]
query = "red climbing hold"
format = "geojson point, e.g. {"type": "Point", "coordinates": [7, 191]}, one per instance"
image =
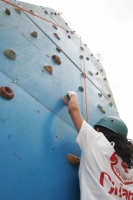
{"type": "Point", "coordinates": [6, 92]}
{"type": "Point", "coordinates": [109, 95]}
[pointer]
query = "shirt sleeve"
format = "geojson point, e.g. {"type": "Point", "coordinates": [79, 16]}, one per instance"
{"type": "Point", "coordinates": [86, 136]}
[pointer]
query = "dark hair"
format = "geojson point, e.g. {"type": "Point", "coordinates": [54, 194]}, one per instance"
{"type": "Point", "coordinates": [123, 146]}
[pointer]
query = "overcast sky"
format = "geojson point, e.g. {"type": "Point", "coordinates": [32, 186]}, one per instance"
{"type": "Point", "coordinates": [107, 27]}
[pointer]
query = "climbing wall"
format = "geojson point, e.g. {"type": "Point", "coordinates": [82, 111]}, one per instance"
{"type": "Point", "coordinates": [41, 58]}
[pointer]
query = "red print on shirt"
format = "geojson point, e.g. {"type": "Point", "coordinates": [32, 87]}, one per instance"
{"type": "Point", "coordinates": [122, 175]}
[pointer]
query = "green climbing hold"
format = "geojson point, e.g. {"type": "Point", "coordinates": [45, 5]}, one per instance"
{"type": "Point", "coordinates": [100, 94]}
{"type": "Point", "coordinates": [51, 13]}
{"type": "Point", "coordinates": [81, 56]}
{"type": "Point", "coordinates": [34, 34]}
{"type": "Point", "coordinates": [90, 73]}
{"type": "Point", "coordinates": [111, 104]}
{"type": "Point", "coordinates": [81, 88]}
{"type": "Point", "coordinates": [10, 54]}
{"type": "Point", "coordinates": [46, 11]}
{"type": "Point", "coordinates": [17, 10]}
{"type": "Point", "coordinates": [31, 11]}
{"type": "Point", "coordinates": [87, 58]}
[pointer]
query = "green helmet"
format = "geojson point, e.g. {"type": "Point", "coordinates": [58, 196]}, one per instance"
{"type": "Point", "coordinates": [113, 123]}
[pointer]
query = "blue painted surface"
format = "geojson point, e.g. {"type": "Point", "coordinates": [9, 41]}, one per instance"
{"type": "Point", "coordinates": [35, 127]}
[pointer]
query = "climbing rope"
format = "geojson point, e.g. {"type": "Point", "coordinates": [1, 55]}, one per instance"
{"type": "Point", "coordinates": [85, 92]}
{"type": "Point", "coordinates": [6, 1]}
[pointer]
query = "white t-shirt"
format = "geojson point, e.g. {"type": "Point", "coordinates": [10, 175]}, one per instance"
{"type": "Point", "coordinates": [102, 173]}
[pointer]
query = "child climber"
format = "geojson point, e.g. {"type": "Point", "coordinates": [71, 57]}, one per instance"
{"type": "Point", "coordinates": [106, 164]}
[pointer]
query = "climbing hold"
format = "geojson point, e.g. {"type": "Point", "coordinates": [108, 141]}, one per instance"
{"type": "Point", "coordinates": [49, 69]}
{"type": "Point", "coordinates": [86, 45]}
{"type": "Point", "coordinates": [87, 58]}
{"type": "Point", "coordinates": [17, 10]}
{"type": "Point", "coordinates": [83, 74]}
{"type": "Point", "coordinates": [90, 73]}
{"type": "Point", "coordinates": [55, 27]}
{"type": "Point", "coordinates": [69, 36]}
{"type": "Point", "coordinates": [109, 95]}
{"type": "Point", "coordinates": [100, 94]}
{"type": "Point", "coordinates": [81, 56]}
{"type": "Point", "coordinates": [8, 12]}
{"type": "Point", "coordinates": [51, 13]}
{"type": "Point", "coordinates": [97, 73]}
{"type": "Point", "coordinates": [55, 13]}
{"type": "Point", "coordinates": [73, 160]}
{"type": "Point", "coordinates": [105, 79]}
{"type": "Point", "coordinates": [66, 23]}
{"type": "Point", "coordinates": [67, 31]}
{"type": "Point", "coordinates": [82, 48]}
{"type": "Point", "coordinates": [81, 88]}
{"type": "Point", "coordinates": [10, 54]}
{"type": "Point", "coordinates": [111, 104]}
{"type": "Point", "coordinates": [59, 49]}
{"type": "Point", "coordinates": [46, 11]}
{"type": "Point", "coordinates": [56, 59]}
{"type": "Point", "coordinates": [98, 60]}
{"type": "Point", "coordinates": [66, 99]}
{"type": "Point", "coordinates": [71, 32]}
{"type": "Point", "coordinates": [31, 11]}
{"type": "Point", "coordinates": [34, 34]}
{"type": "Point", "coordinates": [101, 70]}
{"type": "Point", "coordinates": [101, 108]}
{"type": "Point", "coordinates": [91, 54]}
{"type": "Point", "coordinates": [56, 35]}
{"type": "Point", "coordinates": [6, 92]}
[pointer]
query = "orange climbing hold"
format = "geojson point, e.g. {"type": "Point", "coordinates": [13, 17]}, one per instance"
{"type": "Point", "coordinates": [72, 159]}
{"type": "Point", "coordinates": [10, 54]}
{"type": "Point", "coordinates": [56, 59]}
{"type": "Point", "coordinates": [59, 49]}
{"type": "Point", "coordinates": [83, 74]}
{"type": "Point", "coordinates": [49, 69]}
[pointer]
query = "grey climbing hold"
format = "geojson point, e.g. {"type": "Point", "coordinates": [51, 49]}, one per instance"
{"type": "Point", "coordinates": [87, 58]}
{"type": "Point", "coordinates": [101, 70]}
{"type": "Point", "coordinates": [97, 73]}
{"type": "Point", "coordinates": [81, 88]}
{"type": "Point", "coordinates": [82, 48]}
{"type": "Point", "coordinates": [98, 60]}
{"type": "Point", "coordinates": [83, 74]}
{"type": "Point", "coordinates": [81, 56]}
{"type": "Point", "coordinates": [55, 27]}
{"type": "Point", "coordinates": [101, 108]}
{"type": "Point", "coordinates": [56, 35]}
{"type": "Point", "coordinates": [67, 31]}
{"type": "Point", "coordinates": [105, 79]}
{"type": "Point", "coordinates": [59, 49]}
{"type": "Point", "coordinates": [7, 11]}
{"type": "Point", "coordinates": [66, 99]}
{"type": "Point", "coordinates": [56, 59]}
{"type": "Point", "coordinates": [91, 54]}
{"type": "Point", "coordinates": [10, 54]}
{"type": "Point", "coordinates": [34, 34]}
{"type": "Point", "coordinates": [66, 23]}
{"type": "Point", "coordinates": [86, 45]}
{"type": "Point", "coordinates": [46, 11]}
{"type": "Point", "coordinates": [17, 10]}
{"type": "Point", "coordinates": [51, 13]}
{"type": "Point", "coordinates": [49, 69]}
{"type": "Point", "coordinates": [100, 94]}
{"type": "Point", "coordinates": [90, 73]}
{"type": "Point", "coordinates": [69, 36]}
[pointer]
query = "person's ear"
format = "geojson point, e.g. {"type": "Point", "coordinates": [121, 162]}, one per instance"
{"type": "Point", "coordinates": [97, 129]}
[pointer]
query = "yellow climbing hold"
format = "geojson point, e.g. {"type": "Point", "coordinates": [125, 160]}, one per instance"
{"type": "Point", "coordinates": [10, 54]}
{"type": "Point", "coordinates": [49, 69]}
{"type": "Point", "coordinates": [34, 34]}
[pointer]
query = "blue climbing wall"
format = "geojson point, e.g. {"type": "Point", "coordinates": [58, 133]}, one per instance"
{"type": "Point", "coordinates": [35, 128]}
